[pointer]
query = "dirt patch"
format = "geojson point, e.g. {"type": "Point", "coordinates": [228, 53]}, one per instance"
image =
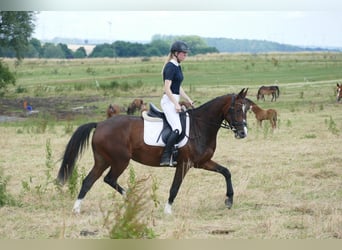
{"type": "Point", "coordinates": [59, 107]}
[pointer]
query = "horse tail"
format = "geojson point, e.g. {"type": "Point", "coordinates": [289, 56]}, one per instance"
{"type": "Point", "coordinates": [258, 94]}
{"type": "Point", "coordinates": [75, 147]}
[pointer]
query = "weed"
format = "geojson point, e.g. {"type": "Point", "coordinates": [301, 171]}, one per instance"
{"type": "Point", "coordinates": [266, 129]}
{"type": "Point", "coordinates": [48, 161]}
{"type": "Point", "coordinates": [73, 182]}
{"type": "Point", "coordinates": [289, 123]}
{"type": "Point", "coordinates": [332, 126]}
{"type": "Point", "coordinates": [42, 187]}
{"type": "Point", "coordinates": [310, 136]}
{"type": "Point", "coordinates": [20, 89]}
{"type": "Point", "coordinates": [5, 197]}
{"type": "Point", "coordinates": [130, 217]}
{"type": "Point", "coordinates": [68, 128]}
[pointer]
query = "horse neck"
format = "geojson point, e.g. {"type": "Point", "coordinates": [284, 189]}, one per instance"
{"type": "Point", "coordinates": [211, 114]}
{"type": "Point", "coordinates": [256, 108]}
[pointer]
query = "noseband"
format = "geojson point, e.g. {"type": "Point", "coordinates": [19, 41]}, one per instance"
{"type": "Point", "coordinates": [231, 112]}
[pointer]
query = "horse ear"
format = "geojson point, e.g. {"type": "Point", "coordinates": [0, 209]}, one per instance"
{"type": "Point", "coordinates": [243, 93]}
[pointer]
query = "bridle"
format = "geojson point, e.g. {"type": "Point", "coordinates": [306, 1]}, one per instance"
{"type": "Point", "coordinates": [231, 114]}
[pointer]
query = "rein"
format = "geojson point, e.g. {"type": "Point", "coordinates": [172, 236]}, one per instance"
{"type": "Point", "coordinates": [224, 124]}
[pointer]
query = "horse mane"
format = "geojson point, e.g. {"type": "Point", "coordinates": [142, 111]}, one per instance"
{"type": "Point", "coordinates": [213, 115]}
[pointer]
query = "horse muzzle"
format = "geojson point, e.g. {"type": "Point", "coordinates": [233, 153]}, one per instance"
{"type": "Point", "coordinates": [241, 132]}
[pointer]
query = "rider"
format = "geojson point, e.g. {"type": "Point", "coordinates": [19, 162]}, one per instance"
{"type": "Point", "coordinates": [173, 77]}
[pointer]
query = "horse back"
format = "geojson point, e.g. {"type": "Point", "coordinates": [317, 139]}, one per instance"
{"type": "Point", "coordinates": [119, 129]}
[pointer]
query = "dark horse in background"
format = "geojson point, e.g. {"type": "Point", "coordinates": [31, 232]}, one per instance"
{"type": "Point", "coordinates": [338, 91]}
{"type": "Point", "coordinates": [268, 90]}
{"type": "Point", "coordinates": [119, 139]}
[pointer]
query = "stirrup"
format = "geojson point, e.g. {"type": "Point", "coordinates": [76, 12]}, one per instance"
{"type": "Point", "coordinates": [169, 163]}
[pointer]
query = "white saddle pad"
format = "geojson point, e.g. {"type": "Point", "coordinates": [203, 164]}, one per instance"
{"type": "Point", "coordinates": [153, 127]}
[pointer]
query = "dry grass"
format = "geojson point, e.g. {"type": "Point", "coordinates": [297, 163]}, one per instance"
{"type": "Point", "coordinates": [287, 182]}
{"type": "Point", "coordinates": [287, 185]}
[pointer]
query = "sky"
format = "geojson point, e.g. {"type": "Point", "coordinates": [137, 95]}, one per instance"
{"type": "Point", "coordinates": [295, 27]}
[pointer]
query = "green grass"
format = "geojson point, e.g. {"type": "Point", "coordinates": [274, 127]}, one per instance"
{"type": "Point", "coordinates": [227, 70]}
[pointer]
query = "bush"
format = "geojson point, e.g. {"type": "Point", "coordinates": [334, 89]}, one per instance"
{"type": "Point", "coordinates": [6, 77]}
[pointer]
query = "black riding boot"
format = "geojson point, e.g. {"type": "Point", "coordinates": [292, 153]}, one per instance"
{"type": "Point", "coordinates": [166, 156]}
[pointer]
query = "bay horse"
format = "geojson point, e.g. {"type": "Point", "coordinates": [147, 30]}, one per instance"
{"type": "Point", "coordinates": [117, 140]}
{"type": "Point", "coordinates": [262, 114]}
{"type": "Point", "coordinates": [339, 92]}
{"type": "Point", "coordinates": [135, 105]}
{"type": "Point", "coordinates": [268, 90]}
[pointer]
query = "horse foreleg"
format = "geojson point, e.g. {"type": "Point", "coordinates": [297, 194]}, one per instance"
{"type": "Point", "coordinates": [177, 181]}
{"type": "Point", "coordinates": [215, 167]}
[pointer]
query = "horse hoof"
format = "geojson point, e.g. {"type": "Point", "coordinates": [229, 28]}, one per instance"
{"type": "Point", "coordinates": [168, 209]}
{"type": "Point", "coordinates": [229, 203]}
{"type": "Point", "coordinates": [76, 211]}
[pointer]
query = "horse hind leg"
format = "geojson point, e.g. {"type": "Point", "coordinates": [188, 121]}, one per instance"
{"type": "Point", "coordinates": [88, 182]}
{"type": "Point", "coordinates": [274, 122]}
{"type": "Point", "coordinates": [112, 177]}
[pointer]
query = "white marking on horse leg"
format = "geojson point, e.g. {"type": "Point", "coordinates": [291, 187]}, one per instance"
{"type": "Point", "coordinates": [168, 208]}
{"type": "Point", "coordinates": [124, 195]}
{"type": "Point", "coordinates": [77, 206]}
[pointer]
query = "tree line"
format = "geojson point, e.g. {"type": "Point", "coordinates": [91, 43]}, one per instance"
{"type": "Point", "coordinates": [159, 47]}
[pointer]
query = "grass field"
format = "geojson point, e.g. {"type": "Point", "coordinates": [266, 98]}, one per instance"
{"type": "Point", "coordinates": [288, 182]}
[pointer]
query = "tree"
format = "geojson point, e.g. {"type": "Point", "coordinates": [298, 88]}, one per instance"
{"type": "Point", "coordinates": [80, 53]}
{"type": "Point", "coordinates": [52, 51]}
{"type": "Point", "coordinates": [67, 52]}
{"type": "Point", "coordinates": [16, 28]}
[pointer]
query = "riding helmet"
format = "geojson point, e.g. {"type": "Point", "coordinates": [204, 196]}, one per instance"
{"type": "Point", "coordinates": [179, 46]}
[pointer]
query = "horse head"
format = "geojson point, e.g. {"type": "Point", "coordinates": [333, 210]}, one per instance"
{"type": "Point", "coordinates": [236, 114]}
{"type": "Point", "coordinates": [339, 92]}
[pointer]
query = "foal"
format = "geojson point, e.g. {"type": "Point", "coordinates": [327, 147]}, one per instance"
{"type": "Point", "coordinates": [262, 114]}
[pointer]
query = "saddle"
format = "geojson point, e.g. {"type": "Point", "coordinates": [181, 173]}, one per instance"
{"type": "Point", "coordinates": [156, 115]}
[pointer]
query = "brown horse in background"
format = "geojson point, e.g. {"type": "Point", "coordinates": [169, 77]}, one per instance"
{"type": "Point", "coordinates": [262, 114]}
{"type": "Point", "coordinates": [135, 105]}
{"type": "Point", "coordinates": [186, 105]}
{"type": "Point", "coordinates": [118, 140]}
{"type": "Point", "coordinates": [113, 110]}
{"type": "Point", "coordinates": [268, 90]}
{"type": "Point", "coordinates": [339, 92]}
